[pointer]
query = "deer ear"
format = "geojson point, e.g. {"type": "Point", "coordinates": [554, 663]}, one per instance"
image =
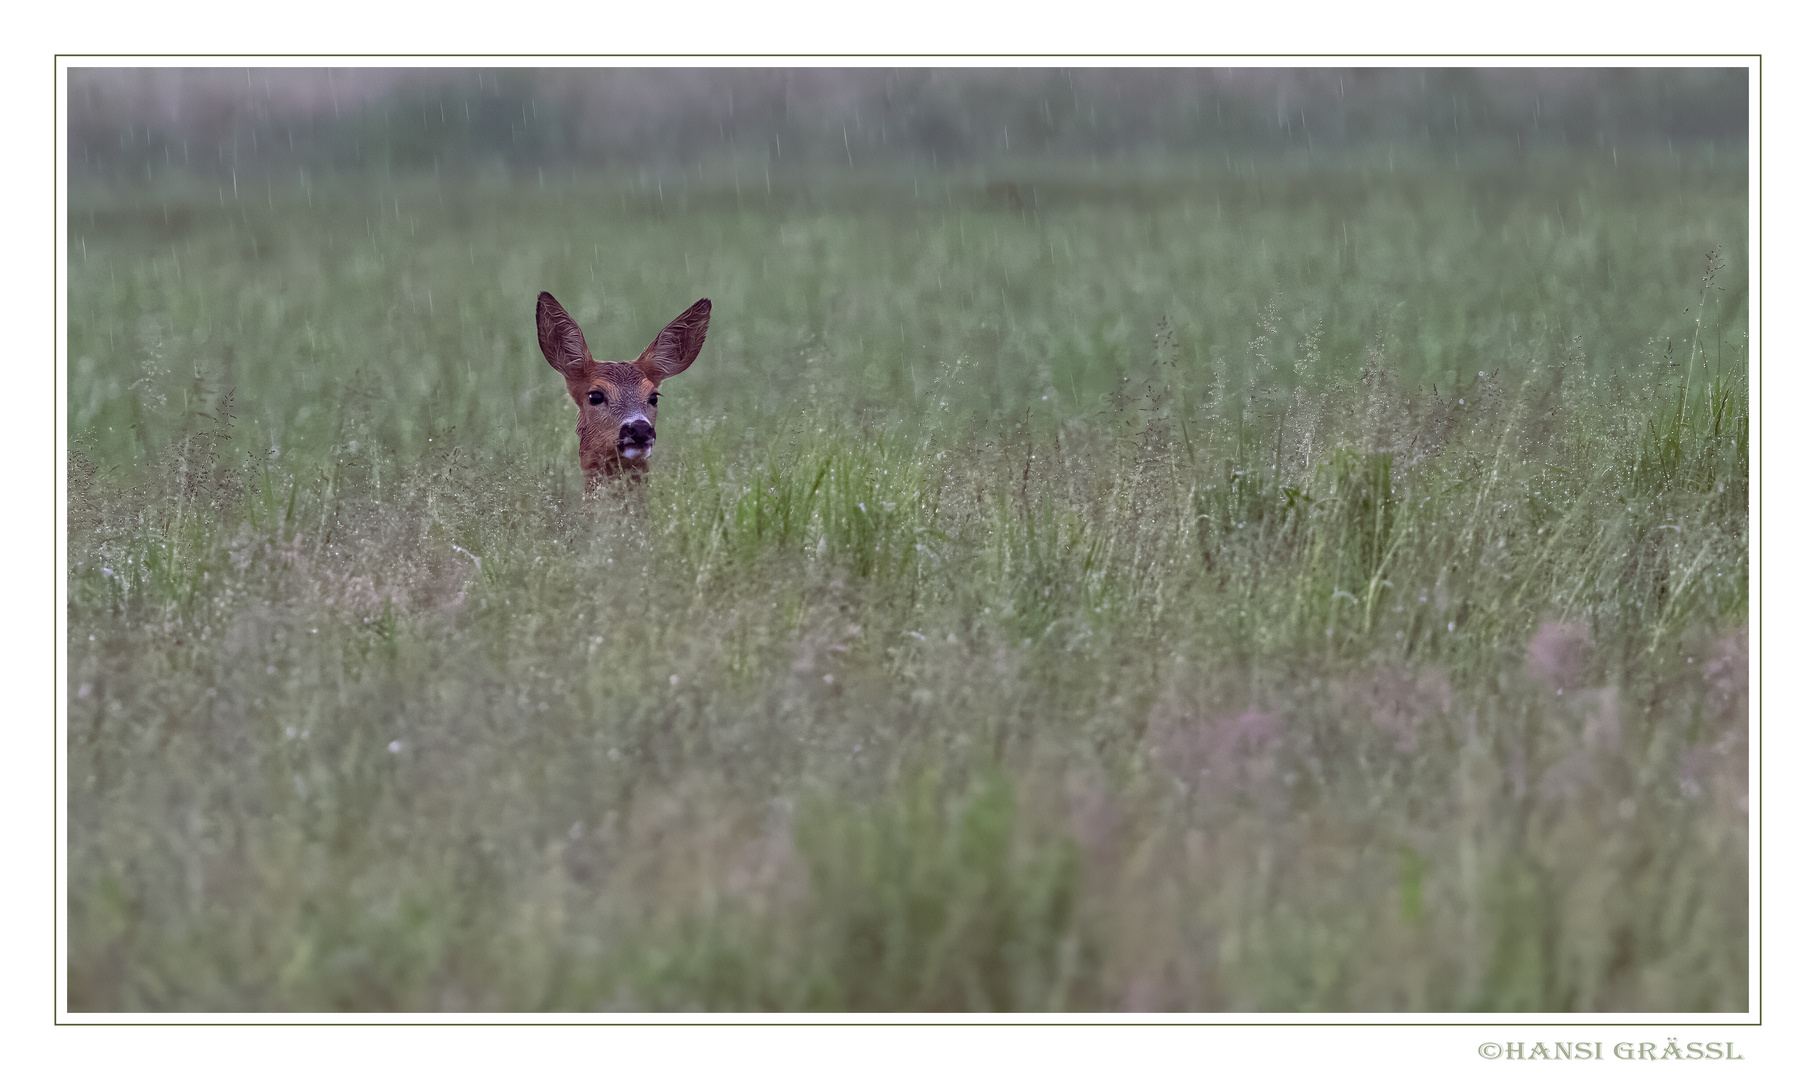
{"type": "Point", "coordinates": [560, 337]}
{"type": "Point", "coordinates": [677, 345]}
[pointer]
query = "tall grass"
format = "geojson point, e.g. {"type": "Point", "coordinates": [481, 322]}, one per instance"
{"type": "Point", "coordinates": [1167, 605]}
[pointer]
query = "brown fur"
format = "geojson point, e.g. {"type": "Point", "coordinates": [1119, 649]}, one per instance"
{"type": "Point", "coordinates": [617, 432]}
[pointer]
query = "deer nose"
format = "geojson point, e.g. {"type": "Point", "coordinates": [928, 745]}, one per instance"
{"type": "Point", "coordinates": [637, 432]}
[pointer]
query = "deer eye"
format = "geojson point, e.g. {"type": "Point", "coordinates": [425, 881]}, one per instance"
{"type": "Point", "coordinates": [596, 397]}
{"type": "Point", "coordinates": [652, 400]}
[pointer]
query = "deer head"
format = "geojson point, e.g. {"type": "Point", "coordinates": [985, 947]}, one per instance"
{"type": "Point", "coordinates": [617, 401]}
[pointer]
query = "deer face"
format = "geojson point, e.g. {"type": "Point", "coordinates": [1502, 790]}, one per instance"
{"type": "Point", "coordinates": [617, 401]}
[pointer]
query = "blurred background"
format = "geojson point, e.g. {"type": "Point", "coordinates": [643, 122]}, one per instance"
{"type": "Point", "coordinates": [129, 124]}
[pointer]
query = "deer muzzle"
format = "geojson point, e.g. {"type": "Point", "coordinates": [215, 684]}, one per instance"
{"type": "Point", "coordinates": [636, 438]}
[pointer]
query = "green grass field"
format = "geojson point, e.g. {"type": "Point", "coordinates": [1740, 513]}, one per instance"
{"type": "Point", "coordinates": [1213, 586]}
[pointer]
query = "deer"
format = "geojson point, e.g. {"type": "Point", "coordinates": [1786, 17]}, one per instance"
{"type": "Point", "coordinates": [617, 401]}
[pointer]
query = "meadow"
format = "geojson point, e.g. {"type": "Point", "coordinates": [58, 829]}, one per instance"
{"type": "Point", "coordinates": [1189, 585]}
